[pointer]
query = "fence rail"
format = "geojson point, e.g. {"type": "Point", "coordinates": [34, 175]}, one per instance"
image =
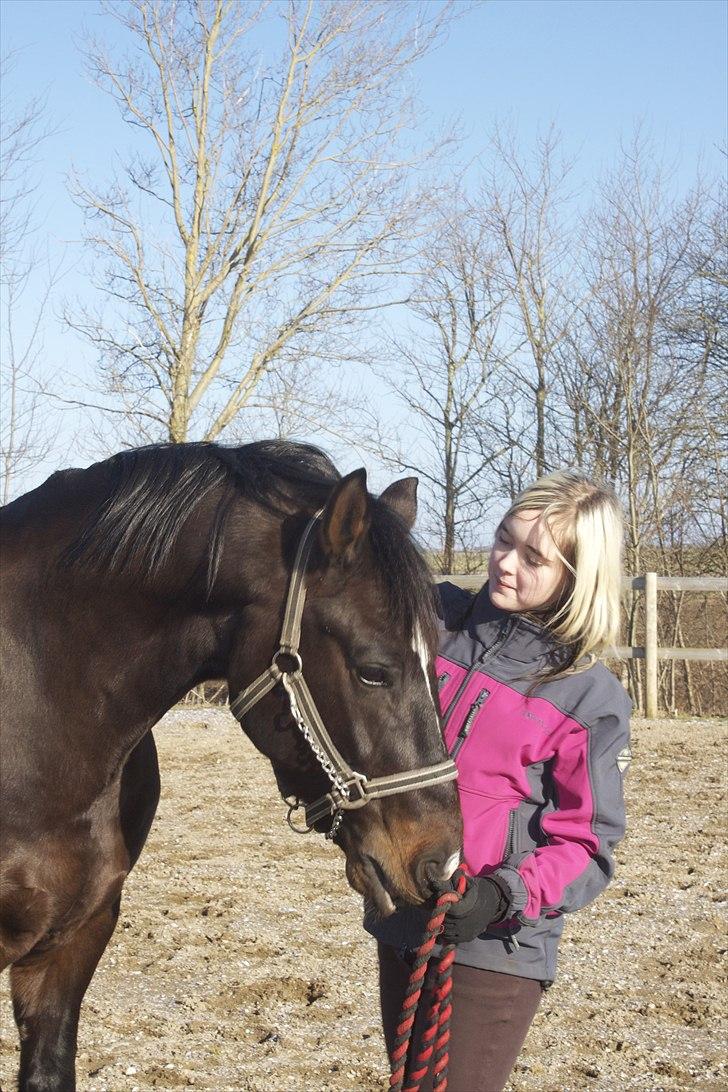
{"type": "Point", "coordinates": [651, 652]}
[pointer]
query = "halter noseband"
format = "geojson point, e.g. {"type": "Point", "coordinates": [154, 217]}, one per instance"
{"type": "Point", "coordinates": [349, 789]}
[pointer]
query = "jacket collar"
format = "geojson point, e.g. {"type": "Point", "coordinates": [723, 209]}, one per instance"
{"type": "Point", "coordinates": [522, 634]}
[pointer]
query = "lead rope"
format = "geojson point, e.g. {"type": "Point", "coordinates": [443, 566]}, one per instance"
{"type": "Point", "coordinates": [434, 1048]}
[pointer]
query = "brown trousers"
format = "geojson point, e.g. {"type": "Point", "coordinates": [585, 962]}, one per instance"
{"type": "Point", "coordinates": [491, 1015]}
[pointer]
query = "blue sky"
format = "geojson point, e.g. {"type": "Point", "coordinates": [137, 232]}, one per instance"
{"type": "Point", "coordinates": [594, 67]}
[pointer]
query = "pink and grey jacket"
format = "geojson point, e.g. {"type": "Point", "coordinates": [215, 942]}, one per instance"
{"type": "Point", "coordinates": [540, 780]}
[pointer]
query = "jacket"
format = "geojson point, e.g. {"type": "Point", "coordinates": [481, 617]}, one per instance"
{"type": "Point", "coordinates": [540, 772]}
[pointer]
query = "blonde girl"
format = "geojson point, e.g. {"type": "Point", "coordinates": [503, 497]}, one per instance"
{"type": "Point", "coordinates": [539, 729]}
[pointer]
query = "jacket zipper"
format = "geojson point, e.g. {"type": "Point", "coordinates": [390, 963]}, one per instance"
{"type": "Point", "coordinates": [468, 722]}
{"type": "Point", "coordinates": [511, 838]}
{"type": "Point", "coordinates": [511, 941]}
{"type": "Point", "coordinates": [489, 652]}
{"type": "Point", "coordinates": [442, 679]}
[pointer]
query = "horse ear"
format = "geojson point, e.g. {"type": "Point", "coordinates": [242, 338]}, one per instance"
{"type": "Point", "coordinates": [401, 497]}
{"type": "Point", "coordinates": [346, 517]}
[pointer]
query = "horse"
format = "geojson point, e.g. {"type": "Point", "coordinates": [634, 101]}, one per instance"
{"type": "Point", "coordinates": [130, 582]}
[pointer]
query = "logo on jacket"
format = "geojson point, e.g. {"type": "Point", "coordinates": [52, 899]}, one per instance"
{"type": "Point", "coordinates": [623, 759]}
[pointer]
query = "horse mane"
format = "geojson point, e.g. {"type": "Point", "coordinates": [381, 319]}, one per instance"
{"type": "Point", "coordinates": [154, 490]}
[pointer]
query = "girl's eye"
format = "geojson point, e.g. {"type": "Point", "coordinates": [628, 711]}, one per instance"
{"type": "Point", "coordinates": [371, 675]}
{"type": "Point", "coordinates": [532, 561]}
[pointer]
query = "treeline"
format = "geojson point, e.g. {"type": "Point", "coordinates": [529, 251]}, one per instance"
{"type": "Point", "coordinates": [547, 338]}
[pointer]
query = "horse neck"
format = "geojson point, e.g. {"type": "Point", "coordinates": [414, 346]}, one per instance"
{"type": "Point", "coordinates": [117, 659]}
{"type": "Point", "coordinates": [120, 649]}
{"type": "Point", "coordinates": [175, 631]}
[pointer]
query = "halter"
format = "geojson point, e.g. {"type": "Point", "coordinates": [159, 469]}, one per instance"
{"type": "Point", "coordinates": [349, 789]}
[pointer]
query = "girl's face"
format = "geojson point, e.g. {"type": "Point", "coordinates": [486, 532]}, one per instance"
{"type": "Point", "coordinates": [524, 571]}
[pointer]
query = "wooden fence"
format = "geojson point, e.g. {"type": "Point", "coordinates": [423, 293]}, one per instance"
{"type": "Point", "coordinates": [651, 652]}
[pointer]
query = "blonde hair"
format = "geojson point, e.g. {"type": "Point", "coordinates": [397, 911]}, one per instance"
{"type": "Point", "coordinates": [585, 523]}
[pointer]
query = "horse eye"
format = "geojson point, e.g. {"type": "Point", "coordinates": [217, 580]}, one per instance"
{"type": "Point", "coordinates": [372, 676]}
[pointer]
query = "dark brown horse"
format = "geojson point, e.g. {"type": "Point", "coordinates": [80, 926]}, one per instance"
{"type": "Point", "coordinates": [127, 584]}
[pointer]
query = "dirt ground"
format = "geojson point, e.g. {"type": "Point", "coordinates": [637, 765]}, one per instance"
{"type": "Point", "coordinates": [239, 961]}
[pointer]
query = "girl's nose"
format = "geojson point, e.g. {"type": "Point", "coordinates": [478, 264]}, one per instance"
{"type": "Point", "coordinates": [508, 561]}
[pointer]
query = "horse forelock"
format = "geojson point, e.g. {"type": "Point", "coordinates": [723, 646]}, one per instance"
{"type": "Point", "coordinates": [423, 653]}
{"type": "Point", "coordinates": [406, 579]}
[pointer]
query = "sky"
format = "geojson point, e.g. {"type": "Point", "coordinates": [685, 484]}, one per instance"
{"type": "Point", "coordinates": [595, 68]}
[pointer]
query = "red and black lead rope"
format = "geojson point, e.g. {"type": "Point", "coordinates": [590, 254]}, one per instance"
{"type": "Point", "coordinates": [434, 1043]}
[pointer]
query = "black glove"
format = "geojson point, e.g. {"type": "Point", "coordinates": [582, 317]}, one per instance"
{"type": "Point", "coordinates": [483, 903]}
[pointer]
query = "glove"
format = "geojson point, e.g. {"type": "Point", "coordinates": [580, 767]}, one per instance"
{"type": "Point", "coordinates": [483, 903]}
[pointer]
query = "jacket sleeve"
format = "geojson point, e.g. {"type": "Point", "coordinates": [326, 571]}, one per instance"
{"type": "Point", "coordinates": [576, 863]}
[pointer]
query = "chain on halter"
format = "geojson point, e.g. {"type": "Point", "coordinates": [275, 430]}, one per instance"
{"type": "Point", "coordinates": [349, 790]}
{"type": "Point", "coordinates": [328, 767]}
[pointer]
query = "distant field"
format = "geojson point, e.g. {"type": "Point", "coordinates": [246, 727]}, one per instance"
{"type": "Point", "coordinates": [472, 562]}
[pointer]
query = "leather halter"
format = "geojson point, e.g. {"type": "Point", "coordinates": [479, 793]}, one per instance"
{"type": "Point", "coordinates": [349, 789]}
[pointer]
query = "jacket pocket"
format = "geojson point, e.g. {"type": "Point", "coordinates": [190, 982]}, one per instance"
{"type": "Point", "coordinates": [461, 736]}
{"type": "Point", "coordinates": [514, 839]}
{"type": "Point", "coordinates": [449, 679]}
{"type": "Point", "coordinates": [466, 703]}
{"type": "Point", "coordinates": [487, 829]}
{"type": "Point", "coordinates": [508, 848]}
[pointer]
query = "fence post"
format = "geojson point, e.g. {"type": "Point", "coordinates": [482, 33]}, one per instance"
{"type": "Point", "coordinates": [651, 644]}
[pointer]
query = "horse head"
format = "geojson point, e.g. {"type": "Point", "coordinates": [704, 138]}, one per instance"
{"type": "Point", "coordinates": [366, 650]}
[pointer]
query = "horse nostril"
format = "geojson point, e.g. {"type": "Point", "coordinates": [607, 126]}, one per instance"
{"type": "Point", "coordinates": [433, 871]}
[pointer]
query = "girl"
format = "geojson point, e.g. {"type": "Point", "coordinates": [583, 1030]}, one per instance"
{"type": "Point", "coordinates": [540, 733]}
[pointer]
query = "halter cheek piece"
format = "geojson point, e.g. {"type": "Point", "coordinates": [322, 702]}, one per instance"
{"type": "Point", "coordinates": [349, 789]}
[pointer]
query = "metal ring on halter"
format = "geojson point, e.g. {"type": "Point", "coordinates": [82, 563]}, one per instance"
{"type": "Point", "coordinates": [292, 809]}
{"type": "Point", "coordinates": [287, 655]}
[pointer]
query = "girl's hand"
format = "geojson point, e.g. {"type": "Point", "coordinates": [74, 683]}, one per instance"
{"type": "Point", "coordinates": [483, 903]}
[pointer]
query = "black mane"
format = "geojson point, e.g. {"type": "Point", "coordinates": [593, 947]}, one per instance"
{"type": "Point", "coordinates": [154, 490]}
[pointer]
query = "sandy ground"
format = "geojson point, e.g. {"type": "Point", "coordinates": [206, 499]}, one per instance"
{"type": "Point", "coordinates": [239, 961]}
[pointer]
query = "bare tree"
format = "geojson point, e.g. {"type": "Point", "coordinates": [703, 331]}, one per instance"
{"type": "Point", "coordinates": [291, 402]}
{"type": "Point", "coordinates": [270, 201]}
{"type": "Point", "coordinates": [521, 208]}
{"type": "Point", "coordinates": [700, 332]}
{"type": "Point", "coordinates": [444, 373]}
{"type": "Point", "coordinates": [26, 432]}
{"type": "Point", "coordinates": [634, 383]}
